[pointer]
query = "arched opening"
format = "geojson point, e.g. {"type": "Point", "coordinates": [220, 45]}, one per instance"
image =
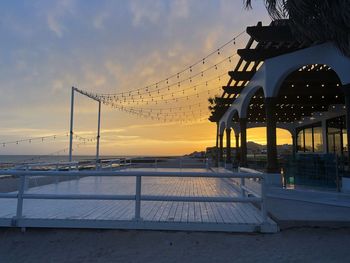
{"type": "Point", "coordinates": [257, 146]}
{"type": "Point", "coordinates": [231, 153]}
{"type": "Point", "coordinates": [312, 101]}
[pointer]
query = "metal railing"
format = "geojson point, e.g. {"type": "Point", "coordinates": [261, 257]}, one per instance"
{"type": "Point", "coordinates": [138, 197]}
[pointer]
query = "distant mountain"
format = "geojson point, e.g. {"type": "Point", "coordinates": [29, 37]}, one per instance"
{"type": "Point", "coordinates": [253, 146]}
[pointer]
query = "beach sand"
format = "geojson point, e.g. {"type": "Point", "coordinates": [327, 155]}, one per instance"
{"type": "Point", "coordinates": [74, 245]}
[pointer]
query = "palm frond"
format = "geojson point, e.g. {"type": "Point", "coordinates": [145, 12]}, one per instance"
{"type": "Point", "coordinates": [314, 20]}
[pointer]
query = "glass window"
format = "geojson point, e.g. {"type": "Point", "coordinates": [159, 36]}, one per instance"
{"type": "Point", "coordinates": [336, 134]}
{"type": "Point", "coordinates": [300, 141]}
{"type": "Point", "coordinates": [331, 143]}
{"type": "Point", "coordinates": [345, 141]}
{"type": "Point", "coordinates": [337, 143]}
{"type": "Point", "coordinates": [308, 140]}
{"type": "Point", "coordinates": [318, 140]}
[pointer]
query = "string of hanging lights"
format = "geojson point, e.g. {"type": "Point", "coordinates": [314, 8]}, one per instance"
{"type": "Point", "coordinates": [180, 96]}
{"type": "Point", "coordinates": [191, 68]}
{"type": "Point", "coordinates": [184, 111]}
{"type": "Point", "coordinates": [55, 153]}
{"type": "Point", "coordinates": [185, 93]}
{"type": "Point", "coordinates": [48, 138]}
{"type": "Point", "coordinates": [139, 93]}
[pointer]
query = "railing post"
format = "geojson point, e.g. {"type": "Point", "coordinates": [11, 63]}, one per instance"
{"type": "Point", "coordinates": [19, 200]}
{"type": "Point", "coordinates": [243, 192]}
{"type": "Point", "coordinates": [56, 177]}
{"type": "Point", "coordinates": [263, 199]}
{"type": "Point", "coordinates": [138, 199]}
{"type": "Point", "coordinates": [77, 168]}
{"type": "Point", "coordinates": [156, 163]}
{"type": "Point", "coordinates": [26, 183]}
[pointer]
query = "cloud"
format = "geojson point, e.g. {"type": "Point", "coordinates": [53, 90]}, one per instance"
{"type": "Point", "coordinates": [57, 13]}
{"type": "Point", "coordinates": [100, 19]}
{"type": "Point", "coordinates": [146, 11]}
{"type": "Point", "coordinates": [155, 142]}
{"type": "Point", "coordinates": [54, 25]}
{"type": "Point", "coordinates": [113, 46]}
{"type": "Point", "coordinates": [128, 137]}
{"type": "Point", "coordinates": [93, 78]}
{"type": "Point", "coordinates": [179, 9]}
{"type": "Point", "coordinates": [57, 85]}
{"type": "Point", "coordinates": [161, 125]}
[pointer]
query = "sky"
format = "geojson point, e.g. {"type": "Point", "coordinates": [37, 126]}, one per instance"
{"type": "Point", "coordinates": [106, 47]}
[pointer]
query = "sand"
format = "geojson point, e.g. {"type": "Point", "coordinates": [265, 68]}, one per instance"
{"type": "Point", "coordinates": [74, 245]}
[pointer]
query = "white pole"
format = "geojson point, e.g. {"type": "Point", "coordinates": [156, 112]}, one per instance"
{"type": "Point", "coordinates": [71, 125]}
{"type": "Point", "coordinates": [98, 134]}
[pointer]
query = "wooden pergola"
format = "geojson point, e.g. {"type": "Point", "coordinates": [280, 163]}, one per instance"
{"type": "Point", "coordinates": [254, 97]}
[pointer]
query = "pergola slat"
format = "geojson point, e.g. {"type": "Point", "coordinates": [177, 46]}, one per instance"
{"type": "Point", "coordinates": [271, 33]}
{"type": "Point", "coordinates": [262, 54]}
{"type": "Point", "coordinates": [233, 90]}
{"type": "Point", "coordinates": [241, 75]}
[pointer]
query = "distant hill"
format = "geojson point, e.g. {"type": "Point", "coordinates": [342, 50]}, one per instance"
{"type": "Point", "coordinates": [253, 146]}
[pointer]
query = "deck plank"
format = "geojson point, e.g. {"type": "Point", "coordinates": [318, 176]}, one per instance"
{"type": "Point", "coordinates": [151, 211]}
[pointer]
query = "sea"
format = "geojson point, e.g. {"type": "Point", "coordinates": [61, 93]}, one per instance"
{"type": "Point", "coordinates": [12, 159]}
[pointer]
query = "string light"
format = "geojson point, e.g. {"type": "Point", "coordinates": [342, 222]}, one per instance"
{"type": "Point", "coordinates": [44, 139]}
{"type": "Point", "coordinates": [168, 91]}
{"type": "Point", "coordinates": [191, 67]}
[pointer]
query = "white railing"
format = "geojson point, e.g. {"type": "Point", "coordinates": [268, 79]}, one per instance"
{"type": "Point", "coordinates": [183, 162]}
{"type": "Point", "coordinates": [115, 164]}
{"type": "Point", "coordinates": [138, 197]}
{"type": "Point", "coordinates": [179, 162]}
{"type": "Point", "coordinates": [83, 164]}
{"type": "Point", "coordinates": [52, 165]}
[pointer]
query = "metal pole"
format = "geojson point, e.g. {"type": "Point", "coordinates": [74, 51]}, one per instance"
{"type": "Point", "coordinates": [71, 125]}
{"type": "Point", "coordinates": [98, 134]}
{"type": "Point", "coordinates": [217, 145]}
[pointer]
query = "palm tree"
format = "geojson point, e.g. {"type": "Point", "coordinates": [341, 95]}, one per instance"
{"type": "Point", "coordinates": [217, 108]}
{"type": "Point", "coordinates": [314, 20]}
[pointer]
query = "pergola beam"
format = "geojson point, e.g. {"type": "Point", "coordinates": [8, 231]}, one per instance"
{"type": "Point", "coordinates": [241, 75]}
{"type": "Point", "coordinates": [271, 33]}
{"type": "Point", "coordinates": [233, 90]}
{"type": "Point", "coordinates": [262, 54]}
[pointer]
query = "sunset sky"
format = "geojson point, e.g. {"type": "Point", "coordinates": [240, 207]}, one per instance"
{"type": "Point", "coordinates": [104, 47]}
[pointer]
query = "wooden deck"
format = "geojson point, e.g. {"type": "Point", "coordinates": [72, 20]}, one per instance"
{"type": "Point", "coordinates": [203, 216]}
